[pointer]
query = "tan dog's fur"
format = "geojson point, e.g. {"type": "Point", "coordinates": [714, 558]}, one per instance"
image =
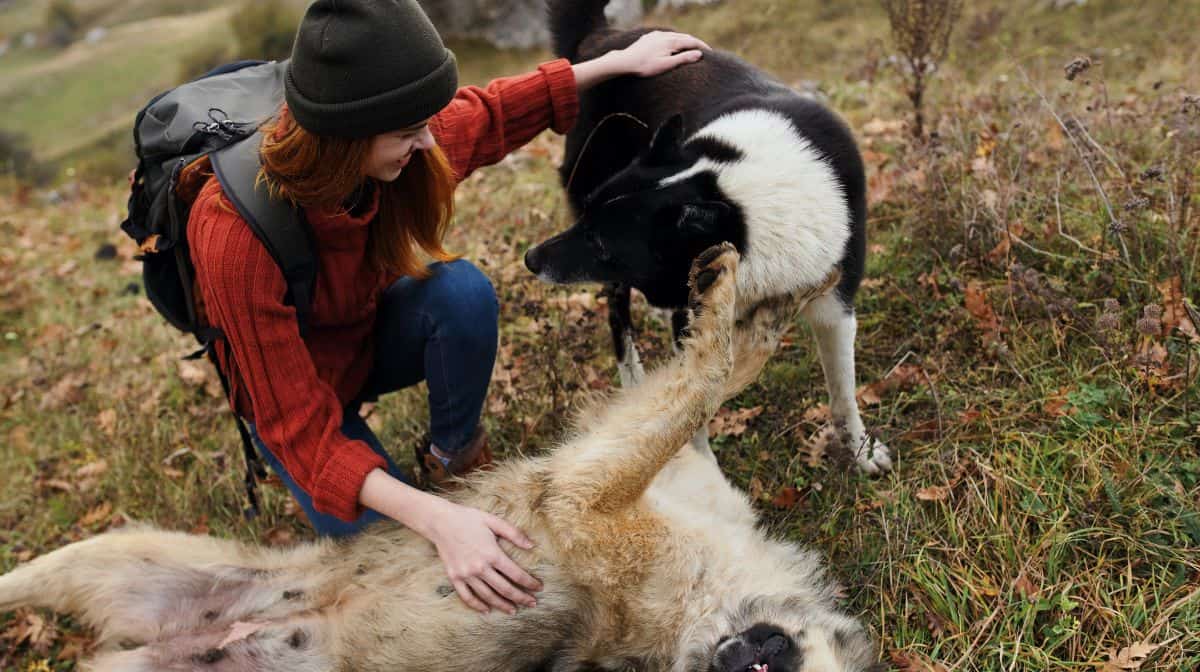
{"type": "Point", "coordinates": [648, 555]}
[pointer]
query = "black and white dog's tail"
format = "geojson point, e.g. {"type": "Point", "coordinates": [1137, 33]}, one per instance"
{"type": "Point", "coordinates": [572, 21]}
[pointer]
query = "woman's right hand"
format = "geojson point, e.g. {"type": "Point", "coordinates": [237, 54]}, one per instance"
{"type": "Point", "coordinates": [467, 541]}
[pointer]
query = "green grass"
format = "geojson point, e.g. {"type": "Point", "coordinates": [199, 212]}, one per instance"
{"type": "Point", "coordinates": [1069, 522]}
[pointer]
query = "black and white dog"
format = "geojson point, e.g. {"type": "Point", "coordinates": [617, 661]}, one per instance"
{"type": "Point", "coordinates": [735, 156]}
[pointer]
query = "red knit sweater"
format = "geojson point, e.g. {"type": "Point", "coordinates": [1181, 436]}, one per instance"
{"type": "Point", "coordinates": [294, 389]}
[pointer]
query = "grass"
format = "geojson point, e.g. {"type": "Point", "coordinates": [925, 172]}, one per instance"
{"type": "Point", "coordinates": [1045, 509]}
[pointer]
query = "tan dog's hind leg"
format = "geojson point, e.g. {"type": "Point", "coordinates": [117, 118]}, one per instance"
{"type": "Point", "coordinates": [620, 450]}
{"type": "Point", "coordinates": [139, 585]}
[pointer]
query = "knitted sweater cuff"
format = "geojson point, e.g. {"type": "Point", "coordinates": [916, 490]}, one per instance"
{"type": "Point", "coordinates": [564, 93]}
{"type": "Point", "coordinates": [337, 486]}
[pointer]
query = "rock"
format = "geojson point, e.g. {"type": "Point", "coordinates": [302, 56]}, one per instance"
{"type": "Point", "coordinates": [511, 24]}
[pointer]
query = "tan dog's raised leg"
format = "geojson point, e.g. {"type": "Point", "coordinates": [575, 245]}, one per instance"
{"type": "Point", "coordinates": [610, 464]}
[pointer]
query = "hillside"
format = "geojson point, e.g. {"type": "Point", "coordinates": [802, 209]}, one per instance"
{"type": "Point", "coordinates": [1028, 339]}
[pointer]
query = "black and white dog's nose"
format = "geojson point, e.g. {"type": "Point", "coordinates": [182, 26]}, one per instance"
{"type": "Point", "coordinates": [532, 262]}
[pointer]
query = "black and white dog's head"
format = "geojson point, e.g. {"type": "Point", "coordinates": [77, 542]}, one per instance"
{"type": "Point", "coordinates": [644, 226]}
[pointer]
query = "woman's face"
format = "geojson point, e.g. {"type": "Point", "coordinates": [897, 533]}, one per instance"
{"type": "Point", "coordinates": [391, 152]}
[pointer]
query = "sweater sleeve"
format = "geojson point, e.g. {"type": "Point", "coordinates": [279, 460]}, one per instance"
{"type": "Point", "coordinates": [296, 414]}
{"type": "Point", "coordinates": [480, 126]}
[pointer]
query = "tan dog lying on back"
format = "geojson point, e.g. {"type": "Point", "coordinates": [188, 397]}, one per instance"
{"type": "Point", "coordinates": [650, 558]}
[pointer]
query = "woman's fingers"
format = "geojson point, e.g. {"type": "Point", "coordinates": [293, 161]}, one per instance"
{"type": "Point", "coordinates": [682, 41]}
{"type": "Point", "coordinates": [502, 528]}
{"type": "Point", "coordinates": [513, 571]}
{"type": "Point", "coordinates": [493, 599]}
{"type": "Point", "coordinates": [506, 589]}
{"type": "Point", "coordinates": [464, 592]}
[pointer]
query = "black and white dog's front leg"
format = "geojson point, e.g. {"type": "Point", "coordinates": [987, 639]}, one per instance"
{"type": "Point", "coordinates": [834, 326]}
{"type": "Point", "coordinates": [629, 363]}
{"type": "Point", "coordinates": [679, 322]}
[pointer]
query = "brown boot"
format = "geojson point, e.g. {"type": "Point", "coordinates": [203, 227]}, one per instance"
{"type": "Point", "coordinates": [432, 474]}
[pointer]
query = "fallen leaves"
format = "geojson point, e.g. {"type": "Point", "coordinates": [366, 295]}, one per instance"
{"type": "Point", "coordinates": [1129, 658]}
{"type": "Point", "coordinates": [787, 497]}
{"type": "Point", "coordinates": [907, 661]}
{"type": "Point", "coordinates": [106, 420]}
{"type": "Point", "coordinates": [977, 304]}
{"type": "Point", "coordinates": [938, 493]}
{"type": "Point", "coordinates": [68, 391]}
{"type": "Point", "coordinates": [196, 375]}
{"type": "Point", "coordinates": [934, 493]}
{"type": "Point", "coordinates": [1175, 313]}
{"type": "Point", "coordinates": [732, 423]}
{"type": "Point", "coordinates": [32, 630]}
{"type": "Point", "coordinates": [99, 514]}
{"type": "Point", "coordinates": [901, 378]}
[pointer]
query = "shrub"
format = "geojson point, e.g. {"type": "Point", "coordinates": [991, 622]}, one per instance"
{"type": "Point", "coordinates": [16, 158]}
{"type": "Point", "coordinates": [921, 30]}
{"type": "Point", "coordinates": [265, 29]}
{"type": "Point", "coordinates": [63, 22]}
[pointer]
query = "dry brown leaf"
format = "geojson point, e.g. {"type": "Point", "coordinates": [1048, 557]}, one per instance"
{"type": "Point", "coordinates": [68, 390]}
{"type": "Point", "coordinates": [197, 375]}
{"type": "Point", "coordinates": [1058, 406]}
{"type": "Point", "coordinates": [880, 184]}
{"type": "Point", "coordinates": [823, 442]}
{"type": "Point", "coordinates": [980, 308]}
{"type": "Point", "coordinates": [819, 414]}
{"type": "Point", "coordinates": [933, 493]}
{"type": "Point", "coordinates": [732, 423]}
{"type": "Point", "coordinates": [755, 488]}
{"type": "Point", "coordinates": [1025, 587]}
{"type": "Point", "coordinates": [1150, 362]}
{"type": "Point", "coordinates": [32, 630]}
{"type": "Point", "coordinates": [92, 469]}
{"type": "Point", "coordinates": [106, 420]}
{"type": "Point", "coordinates": [97, 515]}
{"type": "Point", "coordinates": [879, 126]}
{"type": "Point", "coordinates": [907, 661]}
{"type": "Point", "coordinates": [787, 497]}
{"type": "Point", "coordinates": [1175, 313]}
{"type": "Point", "coordinates": [279, 536]}
{"type": "Point", "coordinates": [902, 377]}
{"type": "Point", "coordinates": [1129, 658]}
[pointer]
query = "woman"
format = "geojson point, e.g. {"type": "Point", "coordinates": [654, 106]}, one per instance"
{"type": "Point", "coordinates": [371, 141]}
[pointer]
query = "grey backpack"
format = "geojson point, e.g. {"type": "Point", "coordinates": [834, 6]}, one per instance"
{"type": "Point", "coordinates": [217, 115]}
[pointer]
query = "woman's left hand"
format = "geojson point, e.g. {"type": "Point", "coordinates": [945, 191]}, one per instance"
{"type": "Point", "coordinates": [657, 52]}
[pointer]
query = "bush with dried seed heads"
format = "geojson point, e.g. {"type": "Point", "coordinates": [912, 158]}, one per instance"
{"type": "Point", "coordinates": [1077, 67]}
{"type": "Point", "coordinates": [921, 30]}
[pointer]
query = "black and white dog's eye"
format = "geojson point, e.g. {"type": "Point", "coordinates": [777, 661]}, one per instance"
{"type": "Point", "coordinates": [598, 245]}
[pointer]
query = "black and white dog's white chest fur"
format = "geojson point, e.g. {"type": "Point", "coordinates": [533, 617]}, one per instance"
{"type": "Point", "coordinates": [658, 170]}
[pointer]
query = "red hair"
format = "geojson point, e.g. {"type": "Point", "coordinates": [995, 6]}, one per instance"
{"type": "Point", "coordinates": [322, 171]}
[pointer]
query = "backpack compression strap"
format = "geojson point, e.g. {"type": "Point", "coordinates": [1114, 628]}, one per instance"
{"type": "Point", "coordinates": [283, 229]}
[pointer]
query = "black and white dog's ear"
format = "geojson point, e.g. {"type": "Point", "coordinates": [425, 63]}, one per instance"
{"type": "Point", "coordinates": [667, 145]}
{"type": "Point", "coordinates": [703, 218]}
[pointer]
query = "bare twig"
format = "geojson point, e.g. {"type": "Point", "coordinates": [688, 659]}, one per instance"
{"type": "Point", "coordinates": [1114, 224]}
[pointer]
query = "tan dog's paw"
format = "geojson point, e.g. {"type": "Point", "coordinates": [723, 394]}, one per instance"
{"type": "Point", "coordinates": [712, 279]}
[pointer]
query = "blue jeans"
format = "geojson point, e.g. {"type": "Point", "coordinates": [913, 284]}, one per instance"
{"type": "Point", "coordinates": [442, 330]}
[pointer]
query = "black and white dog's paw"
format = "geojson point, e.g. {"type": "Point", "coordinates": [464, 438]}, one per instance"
{"type": "Point", "coordinates": [871, 455]}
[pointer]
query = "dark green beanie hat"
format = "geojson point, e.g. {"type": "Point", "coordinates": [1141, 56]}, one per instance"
{"type": "Point", "coordinates": [364, 67]}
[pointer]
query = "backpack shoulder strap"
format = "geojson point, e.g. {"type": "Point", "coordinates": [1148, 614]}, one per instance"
{"type": "Point", "coordinates": [282, 228]}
